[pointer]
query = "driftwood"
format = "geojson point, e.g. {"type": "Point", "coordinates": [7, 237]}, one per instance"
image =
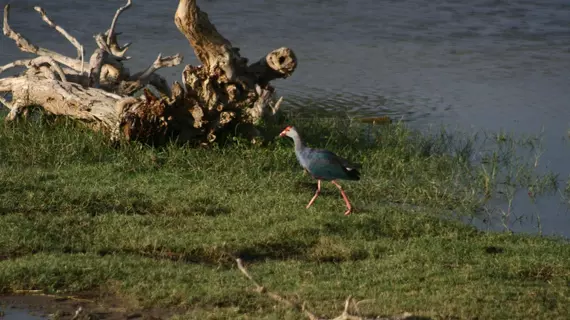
{"type": "Point", "coordinates": [223, 96]}
{"type": "Point", "coordinates": [345, 315]}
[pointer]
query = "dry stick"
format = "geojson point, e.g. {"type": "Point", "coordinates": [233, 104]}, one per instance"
{"type": "Point", "coordinates": [77, 313]}
{"type": "Point", "coordinates": [70, 38]}
{"type": "Point", "coordinates": [26, 46]}
{"type": "Point", "coordinates": [112, 28]}
{"type": "Point", "coordinates": [344, 316]}
{"type": "Point", "coordinates": [261, 289]}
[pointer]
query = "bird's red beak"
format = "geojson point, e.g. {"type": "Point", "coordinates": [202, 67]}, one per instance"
{"type": "Point", "coordinates": [284, 132]}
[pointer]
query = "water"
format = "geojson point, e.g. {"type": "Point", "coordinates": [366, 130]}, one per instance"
{"type": "Point", "coordinates": [18, 314]}
{"type": "Point", "coordinates": [475, 65]}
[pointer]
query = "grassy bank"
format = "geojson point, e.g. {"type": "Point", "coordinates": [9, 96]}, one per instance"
{"type": "Point", "coordinates": [161, 227]}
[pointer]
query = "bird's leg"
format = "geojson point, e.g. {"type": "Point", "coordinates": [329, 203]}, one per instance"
{"type": "Point", "coordinates": [316, 194]}
{"type": "Point", "coordinates": [348, 205]}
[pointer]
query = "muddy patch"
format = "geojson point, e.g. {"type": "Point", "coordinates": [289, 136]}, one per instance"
{"type": "Point", "coordinates": [79, 307]}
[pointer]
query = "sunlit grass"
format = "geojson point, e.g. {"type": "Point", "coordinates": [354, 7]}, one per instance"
{"type": "Point", "coordinates": [162, 226]}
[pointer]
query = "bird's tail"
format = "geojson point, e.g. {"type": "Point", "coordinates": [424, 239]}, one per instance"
{"type": "Point", "coordinates": [353, 174]}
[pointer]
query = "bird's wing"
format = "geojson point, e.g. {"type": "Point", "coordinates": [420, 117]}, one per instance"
{"type": "Point", "coordinates": [326, 156]}
{"type": "Point", "coordinates": [336, 158]}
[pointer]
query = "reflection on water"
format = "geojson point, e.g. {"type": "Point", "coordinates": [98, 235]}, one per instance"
{"type": "Point", "coordinates": [470, 65]}
{"type": "Point", "coordinates": [18, 314]}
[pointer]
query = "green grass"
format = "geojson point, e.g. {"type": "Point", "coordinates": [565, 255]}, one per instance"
{"type": "Point", "coordinates": [161, 227]}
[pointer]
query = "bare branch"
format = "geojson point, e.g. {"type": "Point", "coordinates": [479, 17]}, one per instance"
{"type": "Point", "coordinates": [5, 102]}
{"type": "Point", "coordinates": [73, 40]}
{"type": "Point", "coordinates": [277, 105]}
{"type": "Point", "coordinates": [25, 45]}
{"type": "Point", "coordinates": [104, 46]}
{"type": "Point", "coordinates": [111, 35]}
{"type": "Point", "coordinates": [95, 66]}
{"type": "Point", "coordinates": [115, 18]}
{"type": "Point", "coordinates": [36, 63]}
{"type": "Point", "coordinates": [114, 45]}
{"type": "Point", "coordinates": [17, 63]}
{"type": "Point", "coordinates": [140, 79]}
{"type": "Point", "coordinates": [159, 63]}
{"type": "Point", "coordinates": [101, 57]}
{"type": "Point", "coordinates": [16, 109]}
{"type": "Point", "coordinates": [160, 83]}
{"type": "Point", "coordinates": [260, 107]}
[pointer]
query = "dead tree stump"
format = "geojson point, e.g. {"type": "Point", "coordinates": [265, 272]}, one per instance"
{"type": "Point", "coordinates": [224, 95]}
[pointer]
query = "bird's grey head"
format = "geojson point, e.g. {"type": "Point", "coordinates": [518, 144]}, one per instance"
{"type": "Point", "coordinates": [289, 131]}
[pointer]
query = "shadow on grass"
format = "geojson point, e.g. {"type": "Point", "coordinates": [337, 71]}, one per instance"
{"type": "Point", "coordinates": [209, 207]}
{"type": "Point", "coordinates": [324, 250]}
{"type": "Point", "coordinates": [128, 203]}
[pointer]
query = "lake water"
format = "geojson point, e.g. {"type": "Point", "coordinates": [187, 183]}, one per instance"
{"type": "Point", "coordinates": [19, 314]}
{"type": "Point", "coordinates": [478, 65]}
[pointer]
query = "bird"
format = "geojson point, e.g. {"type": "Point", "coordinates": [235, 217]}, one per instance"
{"type": "Point", "coordinates": [322, 165]}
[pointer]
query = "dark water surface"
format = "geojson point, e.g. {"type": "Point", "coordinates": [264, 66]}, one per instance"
{"type": "Point", "coordinates": [470, 65]}
{"type": "Point", "coordinates": [19, 314]}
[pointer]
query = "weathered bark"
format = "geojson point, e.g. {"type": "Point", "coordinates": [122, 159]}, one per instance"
{"type": "Point", "coordinates": [208, 105]}
{"type": "Point", "coordinates": [225, 91]}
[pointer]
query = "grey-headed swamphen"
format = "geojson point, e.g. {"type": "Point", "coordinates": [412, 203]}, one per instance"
{"type": "Point", "coordinates": [323, 165]}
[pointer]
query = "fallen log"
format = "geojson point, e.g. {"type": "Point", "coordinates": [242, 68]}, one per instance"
{"type": "Point", "coordinates": [223, 96]}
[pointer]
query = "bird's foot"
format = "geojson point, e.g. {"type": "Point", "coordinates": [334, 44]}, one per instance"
{"type": "Point", "coordinates": [348, 212]}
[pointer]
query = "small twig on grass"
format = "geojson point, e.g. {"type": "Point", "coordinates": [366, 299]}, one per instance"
{"type": "Point", "coordinates": [36, 292]}
{"type": "Point", "coordinates": [78, 312]}
{"type": "Point", "coordinates": [259, 288]}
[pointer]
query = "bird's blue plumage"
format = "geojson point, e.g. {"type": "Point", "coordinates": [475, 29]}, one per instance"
{"type": "Point", "coordinates": [322, 164]}
{"type": "Point", "coordinates": [325, 165]}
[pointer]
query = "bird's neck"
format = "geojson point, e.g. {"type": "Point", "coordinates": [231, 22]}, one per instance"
{"type": "Point", "coordinates": [298, 142]}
